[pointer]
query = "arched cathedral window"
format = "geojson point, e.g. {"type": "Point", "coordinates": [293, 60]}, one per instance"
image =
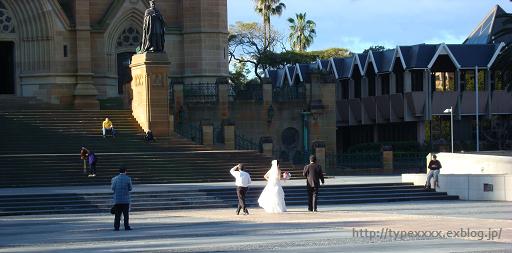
{"type": "Point", "coordinates": [130, 37]}
{"type": "Point", "coordinates": [6, 20]}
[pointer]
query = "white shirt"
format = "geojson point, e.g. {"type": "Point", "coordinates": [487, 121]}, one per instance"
{"type": "Point", "coordinates": [243, 179]}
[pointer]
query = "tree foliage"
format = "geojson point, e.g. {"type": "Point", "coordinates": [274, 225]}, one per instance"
{"type": "Point", "coordinates": [247, 45]}
{"type": "Point", "coordinates": [335, 52]}
{"type": "Point", "coordinates": [376, 48]}
{"type": "Point", "coordinates": [268, 8]}
{"type": "Point", "coordinates": [302, 32]}
{"type": "Point", "coordinates": [240, 73]}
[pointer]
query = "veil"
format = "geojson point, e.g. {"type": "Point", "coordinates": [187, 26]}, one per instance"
{"type": "Point", "coordinates": [273, 173]}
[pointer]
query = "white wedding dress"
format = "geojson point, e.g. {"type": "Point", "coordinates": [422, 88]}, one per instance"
{"type": "Point", "coordinates": [272, 197]}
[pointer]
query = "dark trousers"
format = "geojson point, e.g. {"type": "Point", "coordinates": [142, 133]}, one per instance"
{"type": "Point", "coordinates": [241, 192]}
{"type": "Point", "coordinates": [312, 198]}
{"type": "Point", "coordinates": [122, 209]}
{"type": "Point", "coordinates": [92, 168]}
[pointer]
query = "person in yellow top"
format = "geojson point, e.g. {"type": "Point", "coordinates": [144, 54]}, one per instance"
{"type": "Point", "coordinates": [108, 126]}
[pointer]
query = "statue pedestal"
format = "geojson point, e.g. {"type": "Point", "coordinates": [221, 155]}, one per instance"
{"type": "Point", "coordinates": [150, 86]}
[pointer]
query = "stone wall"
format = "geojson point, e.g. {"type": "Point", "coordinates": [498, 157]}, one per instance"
{"type": "Point", "coordinates": [62, 48]}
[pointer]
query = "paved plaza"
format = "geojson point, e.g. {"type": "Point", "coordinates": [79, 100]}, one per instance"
{"type": "Point", "coordinates": [342, 228]}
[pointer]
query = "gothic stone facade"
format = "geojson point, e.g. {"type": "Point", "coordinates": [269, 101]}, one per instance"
{"type": "Point", "coordinates": [56, 50]}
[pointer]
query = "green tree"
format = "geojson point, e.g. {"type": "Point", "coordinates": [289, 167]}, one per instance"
{"type": "Point", "coordinates": [239, 74]}
{"type": "Point", "coordinates": [247, 45]}
{"type": "Point", "coordinates": [335, 52]}
{"type": "Point", "coordinates": [268, 8]}
{"type": "Point", "coordinates": [376, 48]}
{"type": "Point", "coordinates": [277, 60]}
{"type": "Point", "coordinates": [302, 32]}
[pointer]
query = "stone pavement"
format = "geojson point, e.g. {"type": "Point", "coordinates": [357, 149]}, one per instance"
{"type": "Point", "coordinates": [333, 229]}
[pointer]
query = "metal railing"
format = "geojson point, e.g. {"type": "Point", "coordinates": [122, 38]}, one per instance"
{"type": "Point", "coordinates": [289, 93]}
{"type": "Point", "coordinates": [410, 160]}
{"type": "Point", "coordinates": [190, 131]}
{"type": "Point", "coordinates": [360, 160]}
{"type": "Point", "coordinates": [245, 143]}
{"type": "Point", "coordinates": [330, 161]}
{"type": "Point", "coordinates": [247, 93]}
{"type": "Point", "coordinates": [201, 93]}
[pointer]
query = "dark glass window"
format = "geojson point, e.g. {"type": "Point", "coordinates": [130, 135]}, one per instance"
{"type": "Point", "coordinates": [357, 87]}
{"type": "Point", "coordinates": [470, 80]}
{"type": "Point", "coordinates": [399, 76]}
{"type": "Point", "coordinates": [384, 84]}
{"type": "Point", "coordinates": [417, 80]}
{"type": "Point", "coordinates": [345, 88]}
{"type": "Point", "coordinates": [371, 85]}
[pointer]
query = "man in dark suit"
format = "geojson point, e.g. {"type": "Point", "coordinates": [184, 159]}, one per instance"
{"type": "Point", "coordinates": [314, 174]}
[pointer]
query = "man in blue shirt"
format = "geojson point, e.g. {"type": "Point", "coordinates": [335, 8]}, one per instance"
{"type": "Point", "coordinates": [122, 186]}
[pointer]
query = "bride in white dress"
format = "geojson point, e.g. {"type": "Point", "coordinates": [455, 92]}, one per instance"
{"type": "Point", "coordinates": [272, 197]}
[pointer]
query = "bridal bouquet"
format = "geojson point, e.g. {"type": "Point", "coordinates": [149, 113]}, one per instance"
{"type": "Point", "coordinates": [286, 175]}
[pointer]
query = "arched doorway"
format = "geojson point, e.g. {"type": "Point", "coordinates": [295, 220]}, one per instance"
{"type": "Point", "coordinates": [127, 43]}
{"type": "Point", "coordinates": [7, 63]}
{"type": "Point", "coordinates": [124, 74]}
{"type": "Point", "coordinates": [7, 70]}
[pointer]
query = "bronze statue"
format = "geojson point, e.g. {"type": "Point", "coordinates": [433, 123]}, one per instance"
{"type": "Point", "coordinates": [153, 34]}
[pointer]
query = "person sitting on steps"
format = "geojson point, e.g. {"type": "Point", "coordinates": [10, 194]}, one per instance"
{"type": "Point", "coordinates": [149, 136]}
{"type": "Point", "coordinates": [108, 127]}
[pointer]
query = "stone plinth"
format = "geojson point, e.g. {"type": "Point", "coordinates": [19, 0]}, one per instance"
{"type": "Point", "coordinates": [387, 160]}
{"type": "Point", "coordinates": [267, 145]}
{"type": "Point", "coordinates": [150, 86]}
{"type": "Point", "coordinates": [229, 136]}
{"type": "Point", "coordinates": [85, 97]}
{"type": "Point", "coordinates": [207, 129]}
{"type": "Point", "coordinates": [320, 151]}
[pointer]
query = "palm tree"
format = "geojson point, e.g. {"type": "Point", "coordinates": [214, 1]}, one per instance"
{"type": "Point", "coordinates": [268, 8]}
{"type": "Point", "coordinates": [302, 32]}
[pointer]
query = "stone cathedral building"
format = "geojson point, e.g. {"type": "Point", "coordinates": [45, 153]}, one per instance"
{"type": "Point", "coordinates": [62, 51]}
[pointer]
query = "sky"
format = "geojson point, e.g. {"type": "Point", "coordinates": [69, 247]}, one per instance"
{"type": "Point", "coordinates": [359, 24]}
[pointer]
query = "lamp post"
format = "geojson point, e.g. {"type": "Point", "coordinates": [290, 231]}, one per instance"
{"type": "Point", "coordinates": [450, 110]}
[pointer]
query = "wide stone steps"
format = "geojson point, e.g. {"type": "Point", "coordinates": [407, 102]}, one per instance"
{"type": "Point", "coordinates": [145, 168]}
{"type": "Point", "coordinates": [41, 148]}
{"type": "Point", "coordinates": [219, 197]}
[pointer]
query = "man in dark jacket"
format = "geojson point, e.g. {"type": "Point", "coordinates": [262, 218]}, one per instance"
{"type": "Point", "coordinates": [122, 186]}
{"type": "Point", "coordinates": [314, 174]}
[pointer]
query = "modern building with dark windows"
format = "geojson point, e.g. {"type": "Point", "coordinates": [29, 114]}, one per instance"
{"type": "Point", "coordinates": [401, 94]}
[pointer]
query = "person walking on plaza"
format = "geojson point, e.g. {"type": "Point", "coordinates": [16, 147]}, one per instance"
{"type": "Point", "coordinates": [83, 155]}
{"type": "Point", "coordinates": [434, 165]}
{"type": "Point", "coordinates": [108, 127]}
{"type": "Point", "coordinates": [91, 157]}
{"type": "Point", "coordinates": [314, 174]}
{"type": "Point", "coordinates": [121, 187]}
{"type": "Point", "coordinates": [242, 182]}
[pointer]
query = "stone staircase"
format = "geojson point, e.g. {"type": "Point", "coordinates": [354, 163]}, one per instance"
{"type": "Point", "coordinates": [211, 197]}
{"type": "Point", "coordinates": [41, 148]}
{"type": "Point", "coordinates": [13, 102]}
